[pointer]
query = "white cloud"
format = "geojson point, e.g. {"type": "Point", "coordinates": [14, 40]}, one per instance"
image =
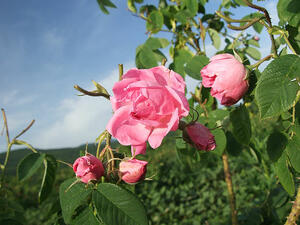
{"type": "Point", "coordinates": [80, 119]}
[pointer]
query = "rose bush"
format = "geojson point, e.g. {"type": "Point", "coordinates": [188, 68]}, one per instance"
{"type": "Point", "coordinates": [133, 170]}
{"type": "Point", "coordinates": [88, 168]}
{"type": "Point", "coordinates": [200, 136]}
{"type": "Point", "coordinates": [226, 77]}
{"type": "Point", "coordinates": [147, 104]}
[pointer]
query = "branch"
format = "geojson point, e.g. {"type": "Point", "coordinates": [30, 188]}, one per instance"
{"type": "Point", "coordinates": [26, 129]}
{"type": "Point", "coordinates": [6, 126]}
{"type": "Point", "coordinates": [94, 94]}
{"type": "Point", "coordinates": [230, 189]}
{"type": "Point", "coordinates": [246, 25]}
{"type": "Point", "coordinates": [268, 18]}
{"type": "Point", "coordinates": [295, 212]}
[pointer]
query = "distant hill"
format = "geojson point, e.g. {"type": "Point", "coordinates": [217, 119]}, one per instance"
{"type": "Point", "coordinates": [65, 154]}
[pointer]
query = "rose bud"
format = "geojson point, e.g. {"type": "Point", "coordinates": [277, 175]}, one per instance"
{"type": "Point", "coordinates": [88, 168]}
{"type": "Point", "coordinates": [226, 77]}
{"type": "Point", "coordinates": [199, 136]}
{"type": "Point", "coordinates": [133, 170]}
{"type": "Point", "coordinates": [256, 38]}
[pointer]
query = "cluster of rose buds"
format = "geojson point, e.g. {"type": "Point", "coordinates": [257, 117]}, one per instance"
{"type": "Point", "coordinates": [88, 168]}
{"type": "Point", "coordinates": [148, 103]}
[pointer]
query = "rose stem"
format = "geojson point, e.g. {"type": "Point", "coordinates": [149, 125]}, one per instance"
{"type": "Point", "coordinates": [230, 189]}
{"type": "Point", "coordinates": [295, 212]}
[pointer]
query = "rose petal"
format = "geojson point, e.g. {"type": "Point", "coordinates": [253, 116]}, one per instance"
{"type": "Point", "coordinates": [138, 149]}
{"type": "Point", "coordinates": [128, 132]}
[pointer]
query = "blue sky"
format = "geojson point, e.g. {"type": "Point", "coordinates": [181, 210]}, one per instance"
{"type": "Point", "coordinates": [48, 46]}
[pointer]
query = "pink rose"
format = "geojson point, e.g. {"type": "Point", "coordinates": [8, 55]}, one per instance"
{"type": "Point", "coordinates": [133, 170]}
{"type": "Point", "coordinates": [200, 137]}
{"type": "Point", "coordinates": [147, 104]}
{"type": "Point", "coordinates": [226, 77]}
{"type": "Point", "coordinates": [88, 168]}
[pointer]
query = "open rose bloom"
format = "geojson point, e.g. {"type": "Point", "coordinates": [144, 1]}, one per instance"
{"type": "Point", "coordinates": [226, 77]}
{"type": "Point", "coordinates": [133, 170]}
{"type": "Point", "coordinates": [147, 104]}
{"type": "Point", "coordinates": [88, 168]}
{"type": "Point", "coordinates": [200, 136]}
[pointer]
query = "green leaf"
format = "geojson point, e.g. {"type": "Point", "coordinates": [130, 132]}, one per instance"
{"type": "Point", "coordinates": [192, 7]}
{"type": "Point", "coordinates": [277, 88]}
{"type": "Point", "coordinates": [214, 36]}
{"type": "Point", "coordinates": [294, 37]}
{"type": "Point", "coordinates": [284, 175]}
{"type": "Point", "coordinates": [155, 21]}
{"type": "Point", "coordinates": [181, 57]}
{"type": "Point", "coordinates": [182, 16]}
{"type": "Point", "coordinates": [180, 143]}
{"type": "Point", "coordinates": [156, 43]}
{"type": "Point", "coordinates": [283, 51]}
{"type": "Point", "coordinates": [86, 217]}
{"type": "Point", "coordinates": [72, 198]}
{"type": "Point", "coordinates": [293, 149]}
{"type": "Point", "coordinates": [29, 165]}
{"type": "Point", "coordinates": [256, 26]}
{"type": "Point", "coordinates": [289, 11]}
{"type": "Point", "coordinates": [253, 42]}
{"type": "Point", "coordinates": [107, 3]}
{"type": "Point", "coordinates": [218, 114]}
{"type": "Point", "coordinates": [275, 145]}
{"type": "Point", "coordinates": [253, 53]}
{"type": "Point", "coordinates": [241, 124]}
{"type": "Point", "coordinates": [48, 178]}
{"type": "Point", "coordinates": [145, 57]}
{"type": "Point", "coordinates": [118, 206]}
{"type": "Point", "coordinates": [159, 56]}
{"type": "Point", "coordinates": [220, 139]}
{"type": "Point", "coordinates": [131, 6]}
{"type": "Point", "coordinates": [194, 66]}
{"type": "Point", "coordinates": [241, 2]}
{"type": "Point", "coordinates": [100, 88]}
{"type": "Point", "coordinates": [233, 147]}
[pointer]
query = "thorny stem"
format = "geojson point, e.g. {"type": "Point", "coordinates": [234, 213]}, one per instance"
{"type": "Point", "coordinates": [5, 163]}
{"type": "Point", "coordinates": [94, 94]}
{"type": "Point", "coordinates": [259, 8]}
{"type": "Point", "coordinates": [202, 104]}
{"type": "Point", "coordinates": [230, 189]}
{"type": "Point", "coordinates": [230, 20]}
{"type": "Point", "coordinates": [295, 212]}
{"type": "Point", "coordinates": [6, 127]}
{"type": "Point", "coordinates": [289, 44]}
{"type": "Point", "coordinates": [256, 65]}
{"type": "Point", "coordinates": [26, 129]}
{"type": "Point", "coordinates": [246, 25]}
{"type": "Point", "coordinates": [62, 162]}
{"type": "Point", "coordinates": [120, 71]}
{"type": "Point", "coordinates": [202, 34]}
{"type": "Point", "coordinates": [19, 142]}
{"type": "Point", "coordinates": [9, 144]}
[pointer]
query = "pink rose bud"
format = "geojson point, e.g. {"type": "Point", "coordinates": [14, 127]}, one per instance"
{"type": "Point", "coordinates": [226, 77]}
{"type": "Point", "coordinates": [200, 137]}
{"type": "Point", "coordinates": [88, 168]}
{"type": "Point", "coordinates": [256, 38]}
{"type": "Point", "coordinates": [133, 170]}
{"type": "Point", "coordinates": [147, 104]}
